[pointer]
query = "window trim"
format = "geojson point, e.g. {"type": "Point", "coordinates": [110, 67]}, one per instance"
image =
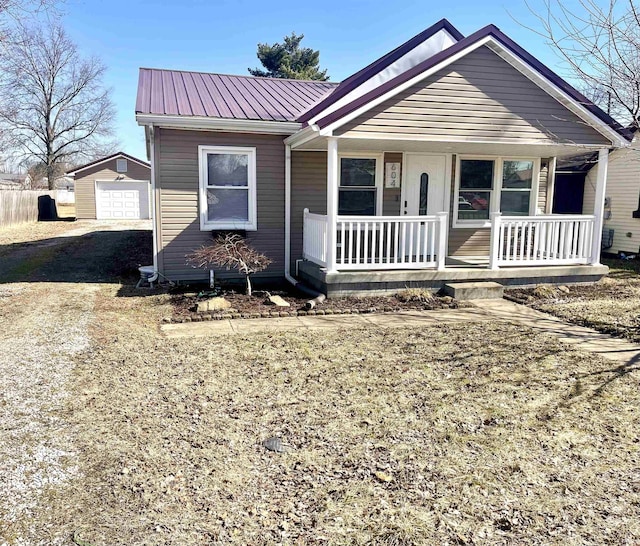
{"type": "Point", "coordinates": [379, 159]}
{"type": "Point", "coordinates": [496, 190]}
{"type": "Point", "coordinates": [119, 162]}
{"type": "Point", "coordinates": [208, 225]}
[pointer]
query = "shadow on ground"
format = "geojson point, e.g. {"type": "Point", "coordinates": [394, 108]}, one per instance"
{"type": "Point", "coordinates": [97, 257]}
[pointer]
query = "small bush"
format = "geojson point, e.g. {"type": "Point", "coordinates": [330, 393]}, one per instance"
{"type": "Point", "coordinates": [231, 251]}
{"type": "Point", "coordinates": [421, 295]}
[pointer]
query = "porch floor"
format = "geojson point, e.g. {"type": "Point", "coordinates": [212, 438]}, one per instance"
{"type": "Point", "coordinates": [354, 283]}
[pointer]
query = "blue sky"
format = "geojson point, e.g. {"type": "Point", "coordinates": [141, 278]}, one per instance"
{"type": "Point", "coordinates": [222, 35]}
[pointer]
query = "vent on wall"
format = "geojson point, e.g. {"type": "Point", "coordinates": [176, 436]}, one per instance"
{"type": "Point", "coordinates": [121, 165]}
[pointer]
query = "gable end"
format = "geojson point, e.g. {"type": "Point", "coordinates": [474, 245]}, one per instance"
{"type": "Point", "coordinates": [478, 97]}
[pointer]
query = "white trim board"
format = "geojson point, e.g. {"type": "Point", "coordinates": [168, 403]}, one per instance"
{"type": "Point", "coordinates": [252, 181]}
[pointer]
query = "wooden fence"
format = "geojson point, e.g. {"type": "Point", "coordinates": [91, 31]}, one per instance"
{"type": "Point", "coordinates": [20, 206]}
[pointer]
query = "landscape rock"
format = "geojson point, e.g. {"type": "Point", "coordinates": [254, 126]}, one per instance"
{"type": "Point", "coordinates": [564, 289]}
{"type": "Point", "coordinates": [214, 304]}
{"type": "Point", "coordinates": [278, 301]}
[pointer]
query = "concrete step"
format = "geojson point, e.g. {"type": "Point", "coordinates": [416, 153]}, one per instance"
{"type": "Point", "coordinates": [474, 290]}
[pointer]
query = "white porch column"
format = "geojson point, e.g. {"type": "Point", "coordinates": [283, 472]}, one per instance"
{"type": "Point", "coordinates": [333, 174]}
{"type": "Point", "coordinates": [598, 209]}
{"type": "Point", "coordinates": [494, 244]}
{"type": "Point", "coordinates": [551, 185]}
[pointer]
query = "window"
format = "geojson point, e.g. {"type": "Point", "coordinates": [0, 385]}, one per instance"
{"type": "Point", "coordinates": [517, 180]}
{"type": "Point", "coordinates": [227, 188]}
{"type": "Point", "coordinates": [500, 184]}
{"type": "Point", "coordinates": [476, 185]}
{"type": "Point", "coordinates": [358, 193]}
{"type": "Point", "coordinates": [121, 165]}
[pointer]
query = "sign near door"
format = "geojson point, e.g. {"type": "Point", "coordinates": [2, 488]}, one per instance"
{"type": "Point", "coordinates": [392, 175]}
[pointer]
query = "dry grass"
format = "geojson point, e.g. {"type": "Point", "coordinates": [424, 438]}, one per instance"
{"type": "Point", "coordinates": [611, 306]}
{"type": "Point", "coordinates": [27, 233]}
{"type": "Point", "coordinates": [491, 434]}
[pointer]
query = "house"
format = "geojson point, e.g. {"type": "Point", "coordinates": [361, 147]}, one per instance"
{"type": "Point", "coordinates": [430, 165]}
{"type": "Point", "coordinates": [12, 181]}
{"type": "Point", "coordinates": [622, 199]}
{"type": "Point", "coordinates": [116, 187]}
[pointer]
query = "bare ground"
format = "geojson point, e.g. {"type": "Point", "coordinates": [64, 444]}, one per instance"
{"type": "Point", "coordinates": [464, 434]}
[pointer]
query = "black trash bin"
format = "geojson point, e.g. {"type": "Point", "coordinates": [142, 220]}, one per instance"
{"type": "Point", "coordinates": [47, 208]}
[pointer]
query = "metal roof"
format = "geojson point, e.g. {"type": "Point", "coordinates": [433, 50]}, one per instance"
{"type": "Point", "coordinates": [377, 66]}
{"type": "Point", "coordinates": [179, 93]}
{"type": "Point", "coordinates": [508, 43]}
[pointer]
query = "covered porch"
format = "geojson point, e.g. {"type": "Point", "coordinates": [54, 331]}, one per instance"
{"type": "Point", "coordinates": [391, 249]}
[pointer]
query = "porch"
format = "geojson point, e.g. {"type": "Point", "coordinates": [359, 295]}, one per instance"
{"type": "Point", "coordinates": [461, 212]}
{"type": "Point", "coordinates": [384, 254]}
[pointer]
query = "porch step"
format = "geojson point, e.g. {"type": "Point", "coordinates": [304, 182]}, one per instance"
{"type": "Point", "coordinates": [474, 290]}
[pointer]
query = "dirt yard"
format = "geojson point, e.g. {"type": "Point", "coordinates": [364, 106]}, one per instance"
{"type": "Point", "coordinates": [465, 434]}
{"type": "Point", "coordinates": [611, 306]}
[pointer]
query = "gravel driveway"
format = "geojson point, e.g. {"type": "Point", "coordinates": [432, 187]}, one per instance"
{"type": "Point", "coordinates": [47, 295]}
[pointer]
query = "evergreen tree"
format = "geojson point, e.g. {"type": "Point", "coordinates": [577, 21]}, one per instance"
{"type": "Point", "coordinates": [289, 60]}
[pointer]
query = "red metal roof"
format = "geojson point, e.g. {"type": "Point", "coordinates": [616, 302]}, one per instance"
{"type": "Point", "coordinates": [173, 92]}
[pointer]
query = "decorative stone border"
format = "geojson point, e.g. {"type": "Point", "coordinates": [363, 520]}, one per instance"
{"type": "Point", "coordinates": [203, 317]}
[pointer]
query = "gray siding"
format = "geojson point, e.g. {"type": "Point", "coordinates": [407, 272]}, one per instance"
{"type": "Point", "coordinates": [178, 183]}
{"type": "Point", "coordinates": [85, 184]}
{"type": "Point", "coordinates": [543, 187]}
{"type": "Point", "coordinates": [480, 96]}
{"type": "Point", "coordinates": [308, 190]}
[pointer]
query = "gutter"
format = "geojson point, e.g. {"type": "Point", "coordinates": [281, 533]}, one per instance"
{"type": "Point", "coordinates": [219, 124]}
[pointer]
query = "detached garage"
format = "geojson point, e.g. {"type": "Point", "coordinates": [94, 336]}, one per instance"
{"type": "Point", "coordinates": [116, 187]}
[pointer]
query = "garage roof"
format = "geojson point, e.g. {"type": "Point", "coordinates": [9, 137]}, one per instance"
{"type": "Point", "coordinates": [109, 158]}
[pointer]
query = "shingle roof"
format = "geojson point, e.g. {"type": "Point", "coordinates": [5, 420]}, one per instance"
{"type": "Point", "coordinates": [172, 92]}
{"type": "Point", "coordinates": [108, 158]}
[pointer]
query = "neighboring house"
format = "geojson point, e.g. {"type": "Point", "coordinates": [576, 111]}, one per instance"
{"type": "Point", "coordinates": [116, 187]}
{"type": "Point", "coordinates": [430, 165]}
{"type": "Point", "coordinates": [622, 202]}
{"type": "Point", "coordinates": [12, 181]}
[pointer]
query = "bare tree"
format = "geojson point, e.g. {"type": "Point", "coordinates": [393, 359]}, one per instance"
{"type": "Point", "coordinates": [54, 108]}
{"type": "Point", "coordinates": [601, 48]}
{"type": "Point", "coordinates": [230, 250]}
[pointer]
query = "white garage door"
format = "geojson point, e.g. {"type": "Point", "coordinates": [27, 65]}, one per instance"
{"type": "Point", "coordinates": [124, 200]}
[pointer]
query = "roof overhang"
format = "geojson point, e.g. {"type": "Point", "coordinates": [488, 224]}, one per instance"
{"type": "Point", "coordinates": [219, 124]}
{"type": "Point", "coordinates": [106, 160]}
{"type": "Point", "coordinates": [340, 117]}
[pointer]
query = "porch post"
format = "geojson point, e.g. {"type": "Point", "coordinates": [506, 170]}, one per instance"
{"type": "Point", "coordinates": [332, 201]}
{"type": "Point", "coordinates": [551, 185]}
{"type": "Point", "coordinates": [598, 209]}
{"type": "Point", "coordinates": [494, 245]}
{"type": "Point", "coordinates": [443, 224]}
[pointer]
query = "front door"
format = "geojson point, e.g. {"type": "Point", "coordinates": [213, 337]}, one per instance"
{"type": "Point", "coordinates": [423, 192]}
{"type": "Point", "coordinates": [423, 185]}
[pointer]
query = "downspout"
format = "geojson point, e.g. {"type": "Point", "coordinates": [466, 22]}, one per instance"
{"type": "Point", "coordinates": [287, 215]}
{"type": "Point", "coordinates": [153, 205]}
{"type": "Point", "coordinates": [317, 296]}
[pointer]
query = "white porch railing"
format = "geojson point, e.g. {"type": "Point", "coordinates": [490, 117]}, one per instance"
{"type": "Point", "coordinates": [314, 238]}
{"type": "Point", "coordinates": [378, 242]}
{"type": "Point", "coordinates": [541, 240]}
